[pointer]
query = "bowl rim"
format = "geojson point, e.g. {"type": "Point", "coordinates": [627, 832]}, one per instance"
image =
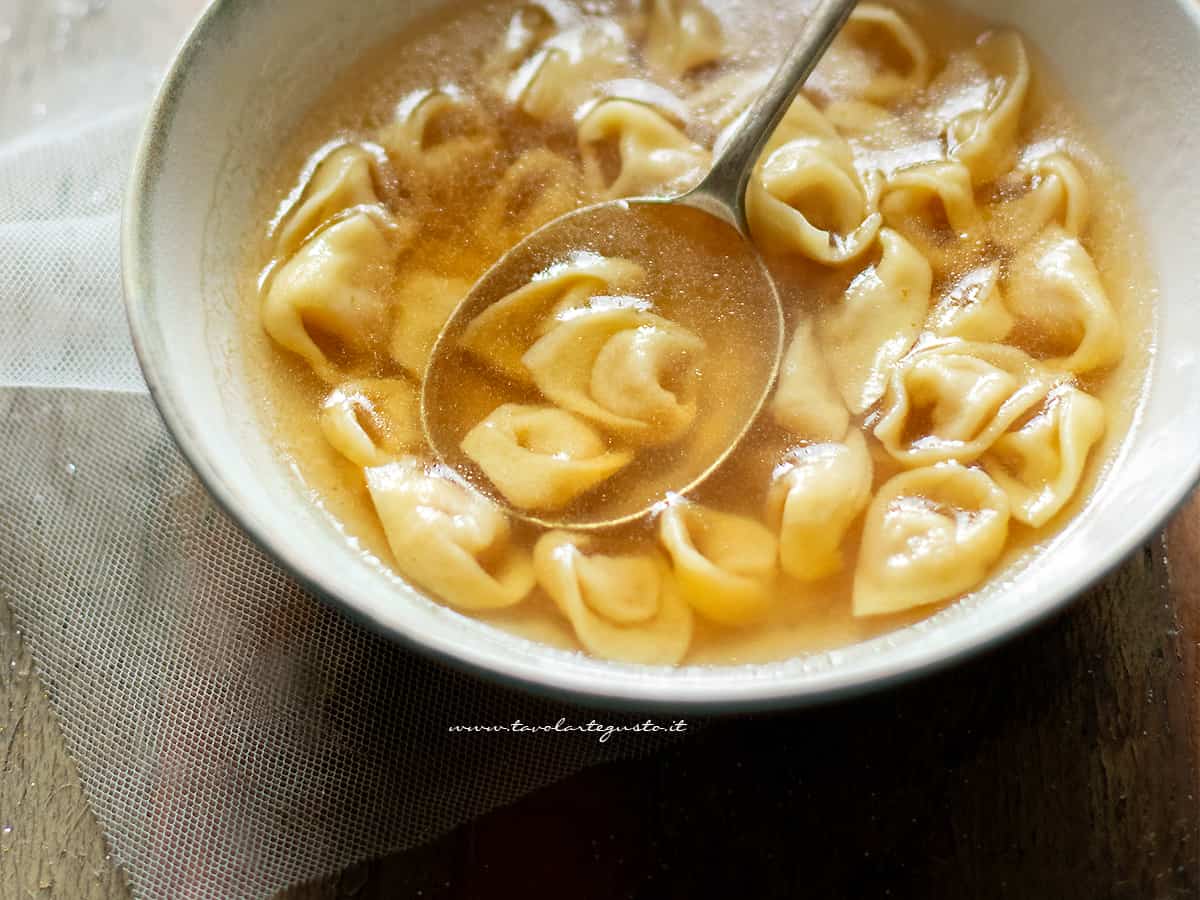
{"type": "Point", "coordinates": [471, 656]}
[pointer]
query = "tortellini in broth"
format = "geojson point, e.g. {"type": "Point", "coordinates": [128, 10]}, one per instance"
{"type": "Point", "coordinates": [680, 35]}
{"type": "Point", "coordinates": [877, 321]}
{"type": "Point", "coordinates": [966, 323]}
{"type": "Point", "coordinates": [329, 302]}
{"type": "Point", "coordinates": [951, 400]}
{"type": "Point", "coordinates": [631, 372]}
{"type": "Point", "coordinates": [649, 155]}
{"type": "Point", "coordinates": [447, 538]}
{"type": "Point", "coordinates": [984, 135]}
{"type": "Point", "coordinates": [1040, 463]}
{"type": "Point", "coordinates": [879, 57]}
{"type": "Point", "coordinates": [725, 565]}
{"type": "Point", "coordinates": [541, 457]}
{"type": "Point", "coordinates": [622, 606]}
{"type": "Point", "coordinates": [807, 197]}
{"type": "Point", "coordinates": [373, 420]}
{"type": "Point", "coordinates": [501, 335]}
{"type": "Point", "coordinates": [1059, 297]}
{"type": "Point", "coordinates": [930, 535]}
{"type": "Point", "coordinates": [817, 493]}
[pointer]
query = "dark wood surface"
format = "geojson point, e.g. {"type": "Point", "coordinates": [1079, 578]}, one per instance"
{"type": "Point", "coordinates": [1065, 764]}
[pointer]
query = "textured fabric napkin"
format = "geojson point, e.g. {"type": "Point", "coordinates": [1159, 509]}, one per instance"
{"type": "Point", "coordinates": [233, 734]}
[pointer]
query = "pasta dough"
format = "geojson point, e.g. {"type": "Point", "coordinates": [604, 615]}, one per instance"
{"type": "Point", "coordinates": [630, 371]}
{"type": "Point", "coordinates": [540, 458]}
{"type": "Point", "coordinates": [807, 197]}
{"type": "Point", "coordinates": [448, 539]}
{"type": "Point", "coordinates": [501, 334]}
{"type": "Point", "coordinates": [653, 156]}
{"type": "Point", "coordinates": [724, 564]}
{"type": "Point", "coordinates": [930, 535]}
{"type": "Point", "coordinates": [621, 606]}
{"type": "Point", "coordinates": [1040, 464]}
{"type": "Point", "coordinates": [951, 400]}
{"type": "Point", "coordinates": [817, 493]}
{"type": "Point", "coordinates": [334, 290]}
{"type": "Point", "coordinates": [1056, 288]}
{"type": "Point", "coordinates": [372, 420]}
{"type": "Point", "coordinates": [877, 321]}
{"type": "Point", "coordinates": [681, 35]}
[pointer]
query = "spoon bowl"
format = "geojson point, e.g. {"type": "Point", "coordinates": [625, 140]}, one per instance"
{"type": "Point", "coordinates": [704, 274]}
{"type": "Point", "coordinates": [716, 286]}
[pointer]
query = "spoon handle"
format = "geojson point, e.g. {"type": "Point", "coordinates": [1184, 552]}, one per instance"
{"type": "Point", "coordinates": [723, 190]}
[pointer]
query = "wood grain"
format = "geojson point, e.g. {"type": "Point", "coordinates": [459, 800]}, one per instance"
{"type": "Point", "coordinates": [50, 843]}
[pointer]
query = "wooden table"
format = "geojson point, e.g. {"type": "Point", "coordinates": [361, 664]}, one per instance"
{"type": "Point", "coordinates": [1064, 764]}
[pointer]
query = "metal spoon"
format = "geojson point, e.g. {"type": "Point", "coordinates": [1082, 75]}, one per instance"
{"type": "Point", "coordinates": [629, 227]}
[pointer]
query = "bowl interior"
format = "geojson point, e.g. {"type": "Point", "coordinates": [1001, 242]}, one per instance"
{"type": "Point", "coordinates": [246, 75]}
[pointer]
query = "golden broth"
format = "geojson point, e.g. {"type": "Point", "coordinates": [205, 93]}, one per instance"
{"type": "Point", "coordinates": [460, 232]}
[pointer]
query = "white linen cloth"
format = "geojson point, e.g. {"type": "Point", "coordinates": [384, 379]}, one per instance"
{"type": "Point", "coordinates": [234, 735]}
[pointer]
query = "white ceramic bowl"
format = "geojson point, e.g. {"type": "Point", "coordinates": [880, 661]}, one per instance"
{"type": "Point", "coordinates": [245, 75]}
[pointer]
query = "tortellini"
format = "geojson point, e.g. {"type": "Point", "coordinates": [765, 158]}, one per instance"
{"type": "Point", "coordinates": [879, 57]}
{"type": "Point", "coordinates": [622, 606]}
{"type": "Point", "coordinates": [632, 372]}
{"type": "Point", "coordinates": [528, 28]}
{"type": "Point", "coordinates": [333, 294]}
{"type": "Point", "coordinates": [348, 176]}
{"type": "Point", "coordinates": [817, 493]}
{"type": "Point", "coordinates": [724, 564]}
{"type": "Point", "coordinates": [448, 539]}
{"type": "Point", "coordinates": [539, 186]}
{"type": "Point", "coordinates": [973, 308]}
{"type": "Point", "coordinates": [930, 535]}
{"type": "Point", "coordinates": [539, 457]}
{"type": "Point", "coordinates": [984, 136]}
{"type": "Point", "coordinates": [806, 401]}
{"type": "Point", "coordinates": [680, 35]}
{"type": "Point", "coordinates": [933, 206]}
{"type": "Point", "coordinates": [807, 197]}
{"type": "Point", "coordinates": [652, 156]}
{"type": "Point", "coordinates": [501, 334]}
{"type": "Point", "coordinates": [1057, 293]}
{"type": "Point", "coordinates": [1050, 190]}
{"type": "Point", "coordinates": [951, 400]}
{"type": "Point", "coordinates": [439, 138]}
{"type": "Point", "coordinates": [556, 79]}
{"type": "Point", "coordinates": [424, 301]}
{"type": "Point", "coordinates": [1040, 464]}
{"type": "Point", "coordinates": [372, 420]}
{"type": "Point", "coordinates": [928, 212]}
{"type": "Point", "coordinates": [877, 321]}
